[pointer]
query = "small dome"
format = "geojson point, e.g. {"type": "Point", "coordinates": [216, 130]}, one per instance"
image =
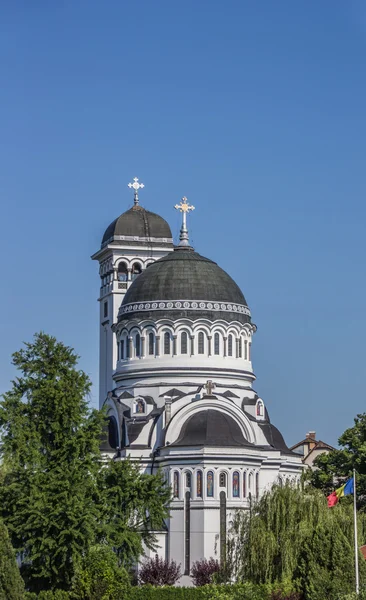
{"type": "Point", "coordinates": [185, 284]}
{"type": "Point", "coordinates": [211, 428]}
{"type": "Point", "coordinates": [137, 221]}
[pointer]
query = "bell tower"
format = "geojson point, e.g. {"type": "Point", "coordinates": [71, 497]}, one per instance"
{"type": "Point", "coordinates": [130, 244]}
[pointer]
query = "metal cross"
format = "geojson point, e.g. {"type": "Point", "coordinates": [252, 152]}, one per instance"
{"type": "Point", "coordinates": [209, 387]}
{"type": "Point", "coordinates": [184, 207]}
{"type": "Point", "coordinates": [136, 186]}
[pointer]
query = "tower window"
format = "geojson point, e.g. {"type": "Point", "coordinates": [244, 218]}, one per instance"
{"type": "Point", "coordinates": [122, 272]}
{"type": "Point", "coordinates": [201, 343]}
{"type": "Point", "coordinates": [245, 484]}
{"type": "Point", "coordinates": [222, 480]}
{"type": "Point", "coordinates": [236, 484]}
{"type": "Point", "coordinates": [151, 343]}
{"type": "Point", "coordinates": [127, 348]}
{"type": "Point", "coordinates": [184, 343]}
{"type": "Point", "coordinates": [230, 345]}
{"type": "Point", "coordinates": [188, 480]}
{"type": "Point", "coordinates": [210, 484]}
{"type": "Point", "coordinates": [105, 309]}
{"type": "Point", "coordinates": [138, 344]}
{"type": "Point", "coordinates": [239, 348]}
{"type": "Point", "coordinates": [176, 484]}
{"type": "Point", "coordinates": [199, 484]}
{"type": "Point", "coordinates": [167, 342]}
{"type": "Point", "coordinates": [217, 343]}
{"type": "Point", "coordinates": [136, 270]}
{"type": "Point", "coordinates": [122, 355]}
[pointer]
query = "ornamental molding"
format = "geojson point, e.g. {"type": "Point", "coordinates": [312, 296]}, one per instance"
{"type": "Point", "coordinates": [137, 238]}
{"type": "Point", "coordinates": [195, 305]}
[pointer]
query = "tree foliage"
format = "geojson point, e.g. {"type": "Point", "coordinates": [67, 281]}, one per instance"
{"type": "Point", "coordinates": [157, 571]}
{"type": "Point", "coordinates": [135, 505]}
{"type": "Point", "coordinates": [334, 467]}
{"type": "Point", "coordinates": [100, 577]}
{"type": "Point", "coordinates": [292, 536]}
{"type": "Point", "coordinates": [49, 497]}
{"type": "Point", "coordinates": [11, 583]}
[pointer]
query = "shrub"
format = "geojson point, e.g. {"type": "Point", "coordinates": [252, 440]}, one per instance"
{"type": "Point", "coordinates": [100, 577]}
{"type": "Point", "coordinates": [158, 571]}
{"type": "Point", "coordinates": [203, 571]}
{"type": "Point", "coordinates": [11, 583]}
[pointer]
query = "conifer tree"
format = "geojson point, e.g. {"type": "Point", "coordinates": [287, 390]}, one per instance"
{"type": "Point", "coordinates": [135, 505]}
{"type": "Point", "coordinates": [49, 499]}
{"type": "Point", "coordinates": [11, 583]}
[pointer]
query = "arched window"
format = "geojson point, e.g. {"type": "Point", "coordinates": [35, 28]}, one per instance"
{"type": "Point", "coordinates": [245, 349]}
{"type": "Point", "coordinates": [201, 343]}
{"type": "Point", "coordinates": [240, 348]}
{"type": "Point", "coordinates": [249, 351]}
{"type": "Point", "coordinates": [222, 479]}
{"type": "Point", "coordinates": [236, 484]}
{"type": "Point", "coordinates": [176, 484]}
{"type": "Point", "coordinates": [151, 343]}
{"type": "Point", "coordinates": [210, 484]}
{"type": "Point", "coordinates": [260, 408]}
{"type": "Point", "coordinates": [122, 272]}
{"type": "Point", "coordinates": [188, 480]}
{"type": "Point", "coordinates": [127, 347]}
{"type": "Point", "coordinates": [122, 352]}
{"type": "Point", "coordinates": [184, 343]}
{"type": "Point", "coordinates": [138, 344]}
{"type": "Point", "coordinates": [257, 485]}
{"type": "Point", "coordinates": [244, 484]}
{"type": "Point", "coordinates": [140, 407]}
{"type": "Point", "coordinates": [136, 270]}
{"type": "Point", "coordinates": [167, 342]}
{"type": "Point", "coordinates": [250, 483]}
{"type": "Point", "coordinates": [230, 345]}
{"type": "Point", "coordinates": [217, 343]}
{"type": "Point", "coordinates": [199, 484]}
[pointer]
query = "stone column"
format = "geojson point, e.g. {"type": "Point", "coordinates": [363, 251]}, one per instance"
{"type": "Point", "coordinates": [130, 347]}
{"type": "Point", "coordinates": [192, 344]}
{"type": "Point", "coordinates": [225, 346]}
{"type": "Point", "coordinates": [143, 340]}
{"type": "Point", "coordinates": [209, 337]}
{"type": "Point", "coordinates": [174, 345]}
{"type": "Point", "coordinates": [157, 345]}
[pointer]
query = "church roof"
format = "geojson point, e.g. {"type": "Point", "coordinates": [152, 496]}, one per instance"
{"type": "Point", "coordinates": [138, 222]}
{"type": "Point", "coordinates": [211, 428]}
{"type": "Point", "coordinates": [185, 284]}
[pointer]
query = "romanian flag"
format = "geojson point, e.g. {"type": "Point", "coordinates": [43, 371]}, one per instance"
{"type": "Point", "coordinates": [345, 490]}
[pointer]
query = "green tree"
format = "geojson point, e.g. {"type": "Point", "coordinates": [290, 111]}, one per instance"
{"type": "Point", "coordinates": [334, 467]}
{"type": "Point", "coordinates": [49, 499]}
{"type": "Point", "coordinates": [292, 536]}
{"type": "Point", "coordinates": [100, 577]}
{"type": "Point", "coordinates": [11, 583]}
{"type": "Point", "coordinates": [135, 505]}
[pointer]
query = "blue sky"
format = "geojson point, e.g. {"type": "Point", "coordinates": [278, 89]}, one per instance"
{"type": "Point", "coordinates": [253, 110]}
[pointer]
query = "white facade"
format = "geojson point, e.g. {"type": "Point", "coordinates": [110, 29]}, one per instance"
{"type": "Point", "coordinates": [179, 393]}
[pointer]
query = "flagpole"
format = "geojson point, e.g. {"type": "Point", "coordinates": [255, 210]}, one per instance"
{"type": "Point", "coordinates": [355, 524]}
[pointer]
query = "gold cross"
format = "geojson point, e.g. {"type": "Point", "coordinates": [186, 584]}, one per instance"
{"type": "Point", "coordinates": [209, 387]}
{"type": "Point", "coordinates": [184, 206]}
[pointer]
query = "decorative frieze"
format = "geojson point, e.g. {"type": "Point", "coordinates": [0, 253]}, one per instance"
{"type": "Point", "coordinates": [194, 305]}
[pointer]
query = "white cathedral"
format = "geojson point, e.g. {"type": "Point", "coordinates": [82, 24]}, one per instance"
{"type": "Point", "coordinates": [177, 379]}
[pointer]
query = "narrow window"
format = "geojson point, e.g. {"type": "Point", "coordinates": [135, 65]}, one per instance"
{"type": "Point", "coordinates": [127, 348]}
{"type": "Point", "coordinates": [259, 409]}
{"type": "Point", "coordinates": [250, 483]}
{"type": "Point", "coordinates": [188, 480]}
{"type": "Point", "coordinates": [176, 484]}
{"type": "Point", "coordinates": [184, 343]}
{"type": "Point", "coordinates": [244, 484]}
{"type": "Point", "coordinates": [236, 483]}
{"type": "Point", "coordinates": [239, 348]}
{"type": "Point", "coordinates": [122, 349]}
{"type": "Point", "coordinates": [217, 343]}
{"type": "Point", "coordinates": [199, 484]}
{"type": "Point", "coordinates": [122, 272]}
{"type": "Point", "coordinates": [138, 344]}
{"type": "Point", "coordinates": [210, 484]}
{"type": "Point", "coordinates": [151, 343]}
{"type": "Point", "coordinates": [140, 407]}
{"type": "Point", "coordinates": [167, 342]}
{"type": "Point", "coordinates": [105, 309]}
{"type": "Point", "coordinates": [201, 343]}
{"type": "Point", "coordinates": [222, 480]}
{"type": "Point", "coordinates": [136, 270]}
{"type": "Point", "coordinates": [246, 350]}
{"type": "Point", "coordinates": [249, 351]}
{"type": "Point", "coordinates": [230, 345]}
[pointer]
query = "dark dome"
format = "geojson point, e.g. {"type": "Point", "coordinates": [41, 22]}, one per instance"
{"type": "Point", "coordinates": [211, 428]}
{"type": "Point", "coordinates": [184, 283]}
{"type": "Point", "coordinates": [137, 221]}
